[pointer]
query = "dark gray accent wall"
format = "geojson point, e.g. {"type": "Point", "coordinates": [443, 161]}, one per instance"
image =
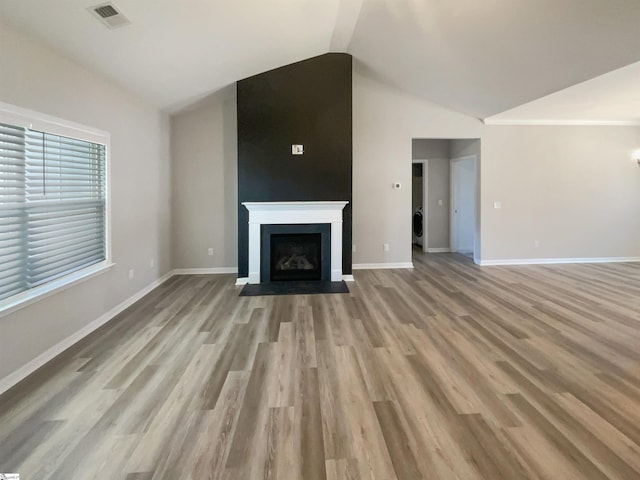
{"type": "Point", "coordinates": [306, 103]}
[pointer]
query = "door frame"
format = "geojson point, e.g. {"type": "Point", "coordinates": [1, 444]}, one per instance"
{"type": "Point", "coordinates": [425, 204]}
{"type": "Point", "coordinates": [452, 191]}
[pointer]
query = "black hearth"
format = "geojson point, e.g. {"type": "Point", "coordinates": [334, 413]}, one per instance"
{"type": "Point", "coordinates": [295, 253]}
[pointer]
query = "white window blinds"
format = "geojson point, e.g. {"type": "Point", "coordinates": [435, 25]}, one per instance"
{"type": "Point", "coordinates": [52, 207]}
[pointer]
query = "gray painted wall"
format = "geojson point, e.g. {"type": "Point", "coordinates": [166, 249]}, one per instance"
{"type": "Point", "coordinates": [543, 176]}
{"type": "Point", "coordinates": [438, 183]}
{"type": "Point", "coordinates": [438, 191]}
{"type": "Point", "coordinates": [575, 189]}
{"type": "Point", "coordinates": [35, 77]}
{"type": "Point", "coordinates": [204, 156]}
{"type": "Point", "coordinates": [464, 147]}
{"type": "Point", "coordinates": [427, 148]}
{"type": "Point", "coordinates": [385, 121]}
{"type": "Point", "coordinates": [571, 186]}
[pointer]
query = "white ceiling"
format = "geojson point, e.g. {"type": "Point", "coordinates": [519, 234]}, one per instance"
{"type": "Point", "coordinates": [479, 57]}
{"type": "Point", "coordinates": [610, 99]}
{"type": "Point", "coordinates": [178, 50]}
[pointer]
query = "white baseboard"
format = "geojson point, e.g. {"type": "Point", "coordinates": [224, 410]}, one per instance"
{"type": "Point", "coordinates": [348, 278]}
{"type": "Point", "coordinates": [205, 271]}
{"type": "Point", "coordinates": [550, 261]}
{"type": "Point", "coordinates": [23, 372]}
{"type": "Point", "coordinates": [439, 250]}
{"type": "Point", "coordinates": [372, 266]}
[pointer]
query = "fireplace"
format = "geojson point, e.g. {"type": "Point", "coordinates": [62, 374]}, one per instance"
{"type": "Point", "coordinates": [298, 252]}
{"type": "Point", "coordinates": [295, 257]}
{"type": "Point", "coordinates": [290, 229]}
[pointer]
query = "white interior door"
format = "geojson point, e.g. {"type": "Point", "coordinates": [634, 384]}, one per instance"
{"type": "Point", "coordinates": [463, 204]}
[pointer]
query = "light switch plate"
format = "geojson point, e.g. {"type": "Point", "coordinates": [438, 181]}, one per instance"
{"type": "Point", "coordinates": [297, 149]}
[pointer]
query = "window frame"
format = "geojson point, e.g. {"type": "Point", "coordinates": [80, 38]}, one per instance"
{"type": "Point", "coordinates": [22, 117]}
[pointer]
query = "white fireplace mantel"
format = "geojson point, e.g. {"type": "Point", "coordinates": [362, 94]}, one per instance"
{"type": "Point", "coordinates": [291, 213]}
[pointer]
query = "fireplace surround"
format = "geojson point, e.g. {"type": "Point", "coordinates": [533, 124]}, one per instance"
{"type": "Point", "coordinates": [295, 252]}
{"type": "Point", "coordinates": [309, 103]}
{"type": "Point", "coordinates": [290, 217]}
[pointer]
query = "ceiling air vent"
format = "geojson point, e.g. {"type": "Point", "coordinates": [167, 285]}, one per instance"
{"type": "Point", "coordinates": [108, 14]}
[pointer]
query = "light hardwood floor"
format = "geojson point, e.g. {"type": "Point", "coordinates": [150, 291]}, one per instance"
{"type": "Point", "coordinates": [449, 371]}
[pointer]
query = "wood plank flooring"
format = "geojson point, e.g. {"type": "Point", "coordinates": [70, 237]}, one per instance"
{"type": "Point", "coordinates": [447, 371]}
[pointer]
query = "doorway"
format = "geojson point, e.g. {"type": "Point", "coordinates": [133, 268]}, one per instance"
{"type": "Point", "coordinates": [449, 193]}
{"type": "Point", "coordinates": [419, 207]}
{"type": "Point", "coordinates": [463, 205]}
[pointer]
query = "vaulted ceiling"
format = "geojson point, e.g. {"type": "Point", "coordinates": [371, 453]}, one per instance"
{"type": "Point", "coordinates": [480, 57]}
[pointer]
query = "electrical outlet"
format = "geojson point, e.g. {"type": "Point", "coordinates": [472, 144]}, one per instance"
{"type": "Point", "coordinates": [132, 273]}
{"type": "Point", "coordinates": [353, 247]}
{"type": "Point", "coordinates": [210, 252]}
{"type": "Point", "coordinates": [497, 205]}
{"type": "Point", "coordinates": [536, 243]}
{"type": "Point", "coordinates": [152, 263]}
{"type": "Point", "coordinates": [385, 247]}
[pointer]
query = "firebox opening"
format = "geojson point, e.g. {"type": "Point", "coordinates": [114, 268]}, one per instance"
{"type": "Point", "coordinates": [296, 256]}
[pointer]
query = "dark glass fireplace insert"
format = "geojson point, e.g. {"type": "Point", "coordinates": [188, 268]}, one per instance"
{"type": "Point", "coordinates": [295, 252]}
{"type": "Point", "coordinates": [295, 256]}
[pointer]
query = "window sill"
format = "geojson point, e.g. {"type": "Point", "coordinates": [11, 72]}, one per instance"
{"type": "Point", "coordinates": [24, 299]}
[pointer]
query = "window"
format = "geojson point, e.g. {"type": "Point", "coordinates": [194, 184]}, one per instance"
{"type": "Point", "coordinates": [53, 211]}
